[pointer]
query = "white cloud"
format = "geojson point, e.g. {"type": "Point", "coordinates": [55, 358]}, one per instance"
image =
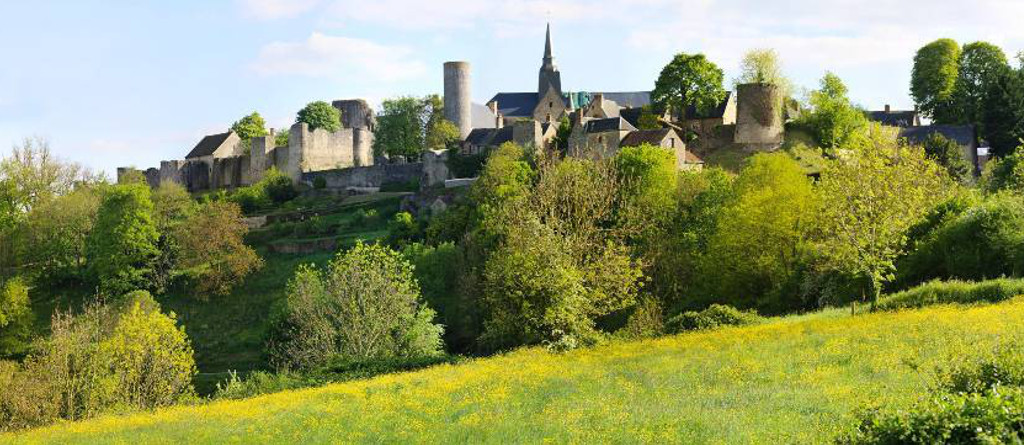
{"type": "Point", "coordinates": [328, 56]}
{"type": "Point", "coordinates": [276, 9]}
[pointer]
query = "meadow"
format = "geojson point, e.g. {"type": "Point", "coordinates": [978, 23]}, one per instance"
{"type": "Point", "coordinates": [798, 379]}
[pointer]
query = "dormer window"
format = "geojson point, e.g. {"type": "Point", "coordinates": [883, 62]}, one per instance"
{"type": "Point", "coordinates": [551, 104]}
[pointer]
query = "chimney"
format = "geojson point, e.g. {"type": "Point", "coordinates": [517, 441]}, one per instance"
{"type": "Point", "coordinates": [887, 108]}
{"type": "Point", "coordinates": [599, 100]}
{"type": "Point", "coordinates": [499, 121]}
{"type": "Point", "coordinates": [493, 106]}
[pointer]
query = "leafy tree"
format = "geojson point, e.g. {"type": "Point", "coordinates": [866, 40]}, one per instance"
{"type": "Point", "coordinates": [212, 252]}
{"type": "Point", "coordinates": [1006, 173]}
{"type": "Point", "coordinates": [1003, 114]}
{"type": "Point", "coordinates": [366, 305]}
{"type": "Point", "coordinates": [870, 201]}
{"type": "Point", "coordinates": [689, 80]}
{"type": "Point", "coordinates": [122, 247]}
{"type": "Point", "coordinates": [763, 235]}
{"type": "Point", "coordinates": [172, 205]}
{"type": "Point", "coordinates": [561, 140]}
{"type": "Point", "coordinates": [936, 67]}
{"type": "Point", "coordinates": [764, 66]}
{"type": "Point", "coordinates": [400, 128]}
{"type": "Point", "coordinates": [320, 114]}
{"type": "Point", "coordinates": [834, 120]}
{"type": "Point", "coordinates": [53, 239]}
{"type": "Point", "coordinates": [32, 173]}
{"type": "Point", "coordinates": [251, 126]}
{"type": "Point", "coordinates": [15, 317]}
{"type": "Point", "coordinates": [439, 133]}
{"type": "Point", "coordinates": [950, 155]}
{"type": "Point", "coordinates": [647, 120]}
{"type": "Point", "coordinates": [438, 269]}
{"type": "Point", "coordinates": [981, 65]}
{"type": "Point", "coordinates": [281, 138]}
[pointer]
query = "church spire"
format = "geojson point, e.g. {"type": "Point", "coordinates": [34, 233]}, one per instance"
{"type": "Point", "coordinates": [549, 75]}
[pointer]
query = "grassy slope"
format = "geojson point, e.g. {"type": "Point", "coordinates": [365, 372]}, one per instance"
{"type": "Point", "coordinates": [228, 332]}
{"type": "Point", "coordinates": [793, 380]}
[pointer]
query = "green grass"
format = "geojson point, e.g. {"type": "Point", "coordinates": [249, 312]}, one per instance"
{"type": "Point", "coordinates": [791, 380]}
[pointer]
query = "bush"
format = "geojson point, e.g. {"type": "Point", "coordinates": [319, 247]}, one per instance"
{"type": "Point", "coordinates": [715, 316]}
{"type": "Point", "coordinates": [279, 187]}
{"type": "Point", "coordinates": [366, 305]}
{"type": "Point", "coordinates": [991, 417]}
{"type": "Point", "coordinates": [15, 318]}
{"type": "Point", "coordinates": [1003, 366]}
{"type": "Point", "coordinates": [953, 292]}
{"type": "Point", "coordinates": [439, 270]}
{"type": "Point", "coordinates": [261, 382]}
{"type": "Point", "coordinates": [403, 229]}
{"type": "Point", "coordinates": [646, 321]}
{"type": "Point", "coordinates": [213, 255]}
{"type": "Point", "coordinates": [106, 359]}
{"type": "Point", "coordinates": [367, 218]}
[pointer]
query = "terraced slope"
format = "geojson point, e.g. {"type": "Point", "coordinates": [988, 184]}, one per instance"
{"type": "Point", "coordinates": [793, 380]}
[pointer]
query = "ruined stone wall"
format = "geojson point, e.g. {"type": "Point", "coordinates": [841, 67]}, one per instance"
{"type": "Point", "coordinates": [172, 172]}
{"type": "Point", "coordinates": [318, 150]}
{"type": "Point", "coordinates": [435, 168]}
{"type": "Point", "coordinates": [366, 177]}
{"type": "Point", "coordinates": [528, 134]}
{"type": "Point", "coordinates": [261, 156]}
{"type": "Point", "coordinates": [759, 116]}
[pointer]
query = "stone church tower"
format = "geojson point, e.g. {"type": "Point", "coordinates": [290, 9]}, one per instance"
{"type": "Point", "coordinates": [549, 75]}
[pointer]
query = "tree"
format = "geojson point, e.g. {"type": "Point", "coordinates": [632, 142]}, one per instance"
{"type": "Point", "coordinates": [948, 154]}
{"type": "Point", "coordinates": [366, 305]}
{"type": "Point", "coordinates": [561, 140]}
{"type": "Point", "coordinates": [763, 66]}
{"type": "Point", "coordinates": [763, 236]}
{"type": "Point", "coordinates": [870, 201]}
{"type": "Point", "coordinates": [441, 135]}
{"type": "Point", "coordinates": [400, 128]}
{"type": "Point", "coordinates": [15, 317]}
{"type": "Point", "coordinates": [212, 253]}
{"type": "Point", "coordinates": [1003, 115]}
{"type": "Point", "coordinates": [936, 67]}
{"type": "Point", "coordinates": [321, 115]}
{"type": "Point", "coordinates": [689, 80]}
{"type": "Point", "coordinates": [53, 238]}
{"type": "Point", "coordinates": [647, 120]}
{"type": "Point", "coordinates": [1006, 173]}
{"type": "Point", "coordinates": [252, 126]}
{"type": "Point", "coordinates": [31, 173]}
{"type": "Point", "coordinates": [834, 120]}
{"type": "Point", "coordinates": [981, 65]}
{"type": "Point", "coordinates": [122, 247]}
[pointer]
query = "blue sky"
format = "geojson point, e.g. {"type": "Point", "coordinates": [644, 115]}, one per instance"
{"type": "Point", "coordinates": [112, 83]}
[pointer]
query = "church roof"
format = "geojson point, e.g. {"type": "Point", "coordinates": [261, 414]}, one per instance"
{"type": "Point", "coordinates": [629, 99]}
{"type": "Point", "coordinates": [609, 124]}
{"type": "Point", "coordinates": [516, 104]}
{"type": "Point", "coordinates": [208, 145]}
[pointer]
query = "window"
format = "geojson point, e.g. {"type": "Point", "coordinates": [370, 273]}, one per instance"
{"type": "Point", "coordinates": [551, 104]}
{"type": "Point", "coordinates": [600, 139]}
{"type": "Point", "coordinates": [672, 142]}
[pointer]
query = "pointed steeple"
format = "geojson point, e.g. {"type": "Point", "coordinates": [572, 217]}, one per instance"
{"type": "Point", "coordinates": [547, 46]}
{"type": "Point", "coordinates": [549, 75]}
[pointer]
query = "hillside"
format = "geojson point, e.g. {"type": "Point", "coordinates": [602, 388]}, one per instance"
{"type": "Point", "coordinates": [793, 380]}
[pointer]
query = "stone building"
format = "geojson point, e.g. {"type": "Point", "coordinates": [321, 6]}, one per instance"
{"type": "Point", "coordinates": [223, 161]}
{"type": "Point", "coordinates": [666, 138]}
{"type": "Point", "coordinates": [966, 136]}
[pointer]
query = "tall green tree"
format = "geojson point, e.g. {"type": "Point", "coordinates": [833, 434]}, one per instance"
{"type": "Point", "coordinates": [321, 115]}
{"type": "Point", "coordinates": [834, 120]}
{"type": "Point", "coordinates": [936, 67]}
{"type": "Point", "coordinates": [981, 65]}
{"type": "Point", "coordinates": [1003, 115]}
{"type": "Point", "coordinates": [53, 238]}
{"type": "Point", "coordinates": [400, 128]}
{"type": "Point", "coordinates": [249, 127]}
{"type": "Point", "coordinates": [870, 200]}
{"type": "Point", "coordinates": [763, 236]}
{"type": "Point", "coordinates": [122, 247]}
{"type": "Point", "coordinates": [949, 155]}
{"type": "Point", "coordinates": [689, 80]}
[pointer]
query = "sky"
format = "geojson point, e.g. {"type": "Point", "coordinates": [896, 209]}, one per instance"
{"type": "Point", "coordinates": [129, 83]}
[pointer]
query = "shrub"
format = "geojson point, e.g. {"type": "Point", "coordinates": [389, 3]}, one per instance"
{"type": "Point", "coordinates": [365, 305]}
{"type": "Point", "coordinates": [990, 417]}
{"type": "Point", "coordinates": [439, 269]}
{"type": "Point", "coordinates": [1003, 366]}
{"type": "Point", "coordinates": [646, 321]}
{"type": "Point", "coordinates": [403, 229]}
{"type": "Point", "coordinates": [320, 183]}
{"type": "Point", "coordinates": [279, 187]}
{"type": "Point", "coordinates": [261, 382]}
{"type": "Point", "coordinates": [213, 255]}
{"type": "Point", "coordinates": [15, 317]}
{"type": "Point", "coordinates": [953, 292]}
{"type": "Point", "coordinates": [367, 217]}
{"type": "Point", "coordinates": [715, 316]}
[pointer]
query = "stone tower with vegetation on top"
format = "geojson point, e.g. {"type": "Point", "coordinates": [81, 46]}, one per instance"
{"type": "Point", "coordinates": [759, 123]}
{"type": "Point", "coordinates": [457, 96]}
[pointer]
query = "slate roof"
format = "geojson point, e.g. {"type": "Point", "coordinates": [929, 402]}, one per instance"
{"type": "Point", "coordinates": [894, 118]}
{"type": "Point", "coordinates": [208, 145]}
{"type": "Point", "coordinates": [489, 137]}
{"type": "Point", "coordinates": [653, 137]}
{"type": "Point", "coordinates": [609, 124]}
{"type": "Point", "coordinates": [717, 112]}
{"type": "Point", "coordinates": [962, 134]}
{"type": "Point", "coordinates": [631, 115]}
{"type": "Point", "coordinates": [629, 99]}
{"type": "Point", "coordinates": [516, 104]}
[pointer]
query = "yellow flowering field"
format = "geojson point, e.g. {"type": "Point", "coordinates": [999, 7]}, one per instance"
{"type": "Point", "coordinates": [792, 380]}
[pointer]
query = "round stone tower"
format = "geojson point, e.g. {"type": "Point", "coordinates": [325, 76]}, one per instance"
{"type": "Point", "coordinates": [457, 96]}
{"type": "Point", "coordinates": [759, 116]}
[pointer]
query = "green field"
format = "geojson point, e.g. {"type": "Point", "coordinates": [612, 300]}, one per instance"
{"type": "Point", "coordinates": [797, 379]}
